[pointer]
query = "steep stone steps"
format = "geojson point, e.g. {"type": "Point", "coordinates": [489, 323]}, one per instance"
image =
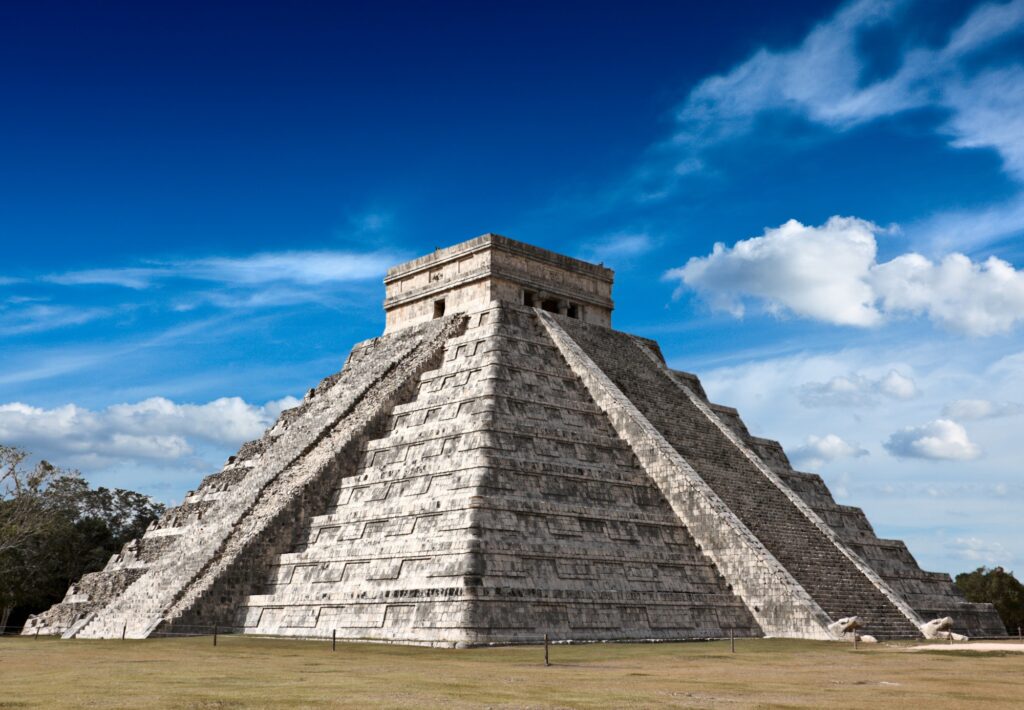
{"type": "Point", "coordinates": [823, 570]}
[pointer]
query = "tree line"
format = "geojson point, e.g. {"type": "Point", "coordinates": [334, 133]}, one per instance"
{"type": "Point", "coordinates": [54, 528]}
{"type": "Point", "coordinates": [998, 587]}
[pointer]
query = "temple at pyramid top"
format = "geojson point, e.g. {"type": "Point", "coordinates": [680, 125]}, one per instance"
{"type": "Point", "coordinates": [489, 268]}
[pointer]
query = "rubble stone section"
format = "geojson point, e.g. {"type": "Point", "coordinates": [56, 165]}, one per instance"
{"type": "Point", "coordinates": [500, 506]}
{"type": "Point", "coordinates": [820, 566]}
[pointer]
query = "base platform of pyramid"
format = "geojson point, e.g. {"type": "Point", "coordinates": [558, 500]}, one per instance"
{"type": "Point", "coordinates": [499, 465]}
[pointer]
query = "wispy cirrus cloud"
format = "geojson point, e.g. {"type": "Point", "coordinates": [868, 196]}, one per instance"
{"type": "Point", "coordinates": [620, 246]}
{"type": "Point", "coordinates": [816, 451]}
{"type": "Point", "coordinates": [974, 409]}
{"type": "Point", "coordinates": [981, 112]}
{"type": "Point", "coordinates": [299, 267]}
{"type": "Point", "coordinates": [857, 390]}
{"type": "Point", "coordinates": [826, 81]}
{"type": "Point", "coordinates": [41, 317]}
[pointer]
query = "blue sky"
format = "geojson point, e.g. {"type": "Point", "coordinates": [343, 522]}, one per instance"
{"type": "Point", "coordinates": [818, 207]}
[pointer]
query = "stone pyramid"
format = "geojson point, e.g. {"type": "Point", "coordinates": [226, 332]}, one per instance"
{"type": "Point", "coordinates": [498, 465]}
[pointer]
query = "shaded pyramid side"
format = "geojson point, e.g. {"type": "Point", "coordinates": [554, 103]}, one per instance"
{"type": "Point", "coordinates": [931, 594]}
{"type": "Point", "coordinates": [500, 506]}
{"type": "Point", "coordinates": [834, 576]}
{"type": "Point", "coordinates": [213, 533]}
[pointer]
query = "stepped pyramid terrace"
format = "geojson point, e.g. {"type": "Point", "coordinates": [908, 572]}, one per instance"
{"type": "Point", "coordinates": [500, 464]}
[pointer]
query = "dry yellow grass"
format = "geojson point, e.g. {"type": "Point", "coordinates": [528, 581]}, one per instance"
{"type": "Point", "coordinates": [248, 672]}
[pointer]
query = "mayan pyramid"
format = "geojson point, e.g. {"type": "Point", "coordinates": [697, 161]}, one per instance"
{"type": "Point", "coordinates": [498, 465]}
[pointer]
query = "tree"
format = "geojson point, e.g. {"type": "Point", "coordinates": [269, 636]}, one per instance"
{"type": "Point", "coordinates": [999, 587]}
{"type": "Point", "coordinates": [25, 519]}
{"type": "Point", "coordinates": [54, 528]}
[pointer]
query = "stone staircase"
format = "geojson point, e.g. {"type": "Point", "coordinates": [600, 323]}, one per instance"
{"type": "Point", "coordinates": [822, 568]}
{"type": "Point", "coordinates": [202, 551]}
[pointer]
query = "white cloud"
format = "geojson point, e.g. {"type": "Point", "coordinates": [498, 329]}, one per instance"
{"type": "Point", "coordinates": [974, 94]}
{"type": "Point", "coordinates": [988, 112]}
{"type": "Point", "coordinates": [37, 318]}
{"type": "Point", "coordinates": [618, 246]}
{"type": "Point", "coordinates": [830, 273]}
{"type": "Point", "coordinates": [981, 409]}
{"type": "Point", "coordinates": [941, 440]}
{"type": "Point", "coordinates": [978, 497]}
{"type": "Point", "coordinates": [129, 277]}
{"type": "Point", "coordinates": [307, 268]}
{"type": "Point", "coordinates": [977, 298]}
{"type": "Point", "coordinates": [821, 272]}
{"type": "Point", "coordinates": [822, 81]}
{"type": "Point", "coordinates": [819, 450]}
{"type": "Point", "coordinates": [155, 428]}
{"type": "Point", "coordinates": [897, 386]}
{"type": "Point", "coordinates": [855, 390]}
{"type": "Point", "coordinates": [978, 550]}
{"type": "Point", "coordinates": [968, 229]}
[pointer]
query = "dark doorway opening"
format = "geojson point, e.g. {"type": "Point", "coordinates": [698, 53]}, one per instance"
{"type": "Point", "coordinates": [528, 297]}
{"type": "Point", "coordinates": [573, 311]}
{"type": "Point", "coordinates": [438, 308]}
{"type": "Point", "coordinates": [550, 305]}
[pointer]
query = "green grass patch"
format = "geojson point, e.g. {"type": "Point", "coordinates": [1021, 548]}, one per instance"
{"type": "Point", "coordinates": [263, 672]}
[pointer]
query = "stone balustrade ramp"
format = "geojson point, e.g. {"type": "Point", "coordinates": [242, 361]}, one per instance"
{"type": "Point", "coordinates": [309, 444]}
{"type": "Point", "coordinates": [821, 567]}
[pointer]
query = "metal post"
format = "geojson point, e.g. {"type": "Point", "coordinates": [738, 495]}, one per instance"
{"type": "Point", "coordinates": [37, 631]}
{"type": "Point", "coordinates": [215, 634]}
{"type": "Point", "coordinates": [732, 640]}
{"type": "Point", "coordinates": [1020, 637]}
{"type": "Point", "coordinates": [855, 639]}
{"type": "Point", "coordinates": [124, 630]}
{"type": "Point", "coordinates": [950, 632]}
{"type": "Point", "coordinates": [334, 640]}
{"type": "Point", "coordinates": [546, 642]}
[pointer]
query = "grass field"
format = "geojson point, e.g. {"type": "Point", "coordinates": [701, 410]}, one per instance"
{"type": "Point", "coordinates": [252, 672]}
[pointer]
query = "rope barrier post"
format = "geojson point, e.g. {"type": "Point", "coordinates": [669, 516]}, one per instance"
{"type": "Point", "coordinates": [334, 639]}
{"type": "Point", "coordinates": [215, 634]}
{"type": "Point", "coordinates": [950, 632]}
{"type": "Point", "coordinates": [855, 639]}
{"type": "Point", "coordinates": [547, 640]}
{"type": "Point", "coordinates": [1020, 637]}
{"type": "Point", "coordinates": [732, 640]}
{"type": "Point", "coordinates": [37, 632]}
{"type": "Point", "coordinates": [124, 630]}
